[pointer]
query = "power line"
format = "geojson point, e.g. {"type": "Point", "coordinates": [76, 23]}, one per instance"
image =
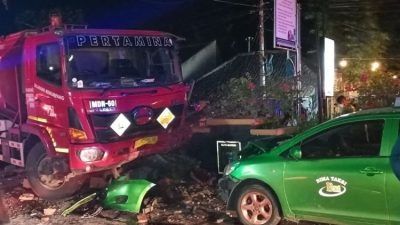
{"type": "Point", "coordinates": [171, 2]}
{"type": "Point", "coordinates": [236, 3]}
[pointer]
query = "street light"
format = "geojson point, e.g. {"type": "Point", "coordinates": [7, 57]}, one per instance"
{"type": "Point", "coordinates": [375, 66]}
{"type": "Point", "coordinates": [343, 63]}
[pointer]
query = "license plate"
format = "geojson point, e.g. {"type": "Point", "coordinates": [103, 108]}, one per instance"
{"type": "Point", "coordinates": [145, 141]}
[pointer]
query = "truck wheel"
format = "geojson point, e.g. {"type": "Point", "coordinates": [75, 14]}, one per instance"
{"type": "Point", "coordinates": [47, 175]}
{"type": "Point", "coordinates": [257, 206]}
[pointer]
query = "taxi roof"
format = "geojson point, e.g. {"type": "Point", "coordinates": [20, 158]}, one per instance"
{"type": "Point", "coordinates": [374, 112]}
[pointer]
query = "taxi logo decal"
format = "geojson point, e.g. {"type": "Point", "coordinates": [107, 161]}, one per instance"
{"type": "Point", "coordinates": [333, 186]}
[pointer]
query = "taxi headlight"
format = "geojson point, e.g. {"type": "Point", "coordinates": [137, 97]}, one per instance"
{"type": "Point", "coordinates": [230, 168]}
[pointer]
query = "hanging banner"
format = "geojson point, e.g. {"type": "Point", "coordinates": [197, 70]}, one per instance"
{"type": "Point", "coordinates": [285, 31]}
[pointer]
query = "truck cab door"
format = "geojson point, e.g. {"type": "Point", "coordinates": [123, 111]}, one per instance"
{"type": "Point", "coordinates": [45, 96]}
{"type": "Point", "coordinates": [340, 176]}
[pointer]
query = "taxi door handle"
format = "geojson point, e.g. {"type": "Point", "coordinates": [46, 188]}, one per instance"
{"type": "Point", "coordinates": [370, 171]}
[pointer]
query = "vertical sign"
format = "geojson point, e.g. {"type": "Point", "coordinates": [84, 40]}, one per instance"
{"type": "Point", "coordinates": [226, 152]}
{"type": "Point", "coordinates": [329, 66]}
{"type": "Point", "coordinates": [285, 32]}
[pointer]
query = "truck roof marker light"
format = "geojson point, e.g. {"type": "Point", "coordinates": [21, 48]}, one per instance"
{"type": "Point", "coordinates": [77, 135]}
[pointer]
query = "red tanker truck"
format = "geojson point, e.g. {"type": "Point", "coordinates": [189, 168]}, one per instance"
{"type": "Point", "coordinates": [74, 101]}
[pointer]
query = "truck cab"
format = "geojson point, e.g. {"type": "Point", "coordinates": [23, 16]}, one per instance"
{"type": "Point", "coordinates": [77, 100]}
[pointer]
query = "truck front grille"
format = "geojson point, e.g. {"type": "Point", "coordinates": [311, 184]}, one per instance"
{"type": "Point", "coordinates": [101, 124]}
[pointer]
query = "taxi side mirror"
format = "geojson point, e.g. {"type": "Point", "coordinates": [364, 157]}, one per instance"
{"type": "Point", "coordinates": [295, 153]}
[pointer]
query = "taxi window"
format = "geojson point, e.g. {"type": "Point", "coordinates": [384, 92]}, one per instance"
{"type": "Point", "coordinates": [360, 139]}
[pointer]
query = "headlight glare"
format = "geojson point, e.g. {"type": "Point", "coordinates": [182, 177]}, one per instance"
{"type": "Point", "coordinates": [91, 154]}
{"type": "Point", "coordinates": [230, 168]}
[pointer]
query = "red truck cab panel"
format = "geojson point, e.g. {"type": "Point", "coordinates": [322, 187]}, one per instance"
{"type": "Point", "coordinates": [84, 80]}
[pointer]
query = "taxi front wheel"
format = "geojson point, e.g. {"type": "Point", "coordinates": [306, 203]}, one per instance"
{"type": "Point", "coordinates": [257, 206]}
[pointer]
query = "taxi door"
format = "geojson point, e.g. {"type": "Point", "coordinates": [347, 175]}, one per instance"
{"type": "Point", "coordinates": [393, 173]}
{"type": "Point", "coordinates": [340, 176]}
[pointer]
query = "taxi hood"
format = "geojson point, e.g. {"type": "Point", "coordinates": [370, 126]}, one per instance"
{"type": "Point", "coordinates": [263, 145]}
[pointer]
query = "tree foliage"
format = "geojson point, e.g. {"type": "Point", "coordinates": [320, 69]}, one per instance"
{"type": "Point", "coordinates": [31, 19]}
{"type": "Point", "coordinates": [361, 40]}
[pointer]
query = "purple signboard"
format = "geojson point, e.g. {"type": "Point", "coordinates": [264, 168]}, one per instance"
{"type": "Point", "coordinates": [285, 24]}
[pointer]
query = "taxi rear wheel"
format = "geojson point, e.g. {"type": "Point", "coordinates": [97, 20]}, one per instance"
{"type": "Point", "coordinates": [257, 206]}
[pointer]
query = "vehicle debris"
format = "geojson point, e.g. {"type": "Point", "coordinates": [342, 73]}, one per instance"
{"type": "Point", "coordinates": [79, 203]}
{"type": "Point", "coordinates": [27, 197]}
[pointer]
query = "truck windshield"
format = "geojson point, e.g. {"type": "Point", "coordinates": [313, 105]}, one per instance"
{"type": "Point", "coordinates": [120, 62]}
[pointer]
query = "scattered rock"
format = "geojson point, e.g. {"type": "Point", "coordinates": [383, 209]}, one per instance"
{"type": "Point", "coordinates": [49, 211]}
{"type": "Point", "coordinates": [219, 220]}
{"type": "Point", "coordinates": [26, 197]}
{"type": "Point", "coordinates": [148, 210]}
{"type": "Point", "coordinates": [110, 214]}
{"type": "Point", "coordinates": [142, 218]}
{"type": "Point", "coordinates": [45, 219]}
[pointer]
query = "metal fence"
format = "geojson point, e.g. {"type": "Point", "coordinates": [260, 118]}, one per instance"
{"type": "Point", "coordinates": [279, 73]}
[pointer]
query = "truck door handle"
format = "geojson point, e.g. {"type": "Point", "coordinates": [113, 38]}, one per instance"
{"type": "Point", "coordinates": [370, 171]}
{"type": "Point", "coordinates": [37, 100]}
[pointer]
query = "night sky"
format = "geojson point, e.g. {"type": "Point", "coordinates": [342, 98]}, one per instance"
{"type": "Point", "coordinates": [199, 21]}
{"type": "Point", "coordinates": [105, 13]}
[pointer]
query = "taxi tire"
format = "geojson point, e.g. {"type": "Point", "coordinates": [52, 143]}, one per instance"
{"type": "Point", "coordinates": [35, 155]}
{"type": "Point", "coordinates": [275, 217]}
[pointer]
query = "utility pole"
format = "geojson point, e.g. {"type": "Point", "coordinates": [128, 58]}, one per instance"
{"type": "Point", "coordinates": [261, 41]}
{"type": "Point", "coordinates": [260, 8]}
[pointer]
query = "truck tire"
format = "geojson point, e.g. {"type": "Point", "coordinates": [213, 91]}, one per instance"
{"type": "Point", "coordinates": [52, 185]}
{"type": "Point", "coordinates": [257, 206]}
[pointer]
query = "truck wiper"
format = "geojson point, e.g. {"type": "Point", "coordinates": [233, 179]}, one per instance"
{"type": "Point", "coordinates": [105, 88]}
{"type": "Point", "coordinates": [166, 87]}
{"type": "Point", "coordinates": [147, 83]}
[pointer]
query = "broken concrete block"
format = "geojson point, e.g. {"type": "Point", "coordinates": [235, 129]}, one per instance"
{"type": "Point", "coordinates": [142, 219]}
{"type": "Point", "coordinates": [49, 211]}
{"type": "Point", "coordinates": [26, 197]}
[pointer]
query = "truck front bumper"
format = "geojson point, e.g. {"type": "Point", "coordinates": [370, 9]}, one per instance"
{"type": "Point", "coordinates": [121, 152]}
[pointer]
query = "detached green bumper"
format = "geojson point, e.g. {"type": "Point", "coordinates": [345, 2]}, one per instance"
{"type": "Point", "coordinates": [126, 195]}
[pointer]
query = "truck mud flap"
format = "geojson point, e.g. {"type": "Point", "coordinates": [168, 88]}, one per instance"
{"type": "Point", "coordinates": [126, 195]}
{"type": "Point", "coordinates": [12, 152]}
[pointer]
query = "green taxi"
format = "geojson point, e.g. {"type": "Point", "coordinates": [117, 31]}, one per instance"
{"type": "Point", "coordinates": [343, 171]}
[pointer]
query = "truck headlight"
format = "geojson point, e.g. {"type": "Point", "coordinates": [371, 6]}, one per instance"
{"type": "Point", "coordinates": [91, 154]}
{"type": "Point", "coordinates": [230, 168]}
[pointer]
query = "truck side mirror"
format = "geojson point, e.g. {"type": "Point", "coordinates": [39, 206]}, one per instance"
{"type": "Point", "coordinates": [295, 153]}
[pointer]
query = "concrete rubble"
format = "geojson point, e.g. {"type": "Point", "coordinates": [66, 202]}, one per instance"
{"type": "Point", "coordinates": [185, 194]}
